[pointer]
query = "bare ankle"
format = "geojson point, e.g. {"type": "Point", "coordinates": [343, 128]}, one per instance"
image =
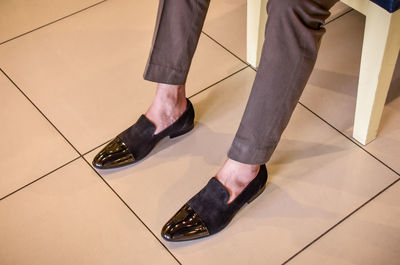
{"type": "Point", "coordinates": [171, 94]}
{"type": "Point", "coordinates": [170, 100]}
{"type": "Point", "coordinates": [168, 105]}
{"type": "Point", "coordinates": [235, 176]}
{"type": "Point", "coordinates": [238, 166]}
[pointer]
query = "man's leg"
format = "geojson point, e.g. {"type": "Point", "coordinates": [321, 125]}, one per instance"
{"type": "Point", "coordinates": [176, 34]}
{"type": "Point", "coordinates": [293, 34]}
{"type": "Point", "coordinates": [177, 31]}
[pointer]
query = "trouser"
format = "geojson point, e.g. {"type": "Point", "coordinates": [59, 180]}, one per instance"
{"type": "Point", "coordinates": [292, 38]}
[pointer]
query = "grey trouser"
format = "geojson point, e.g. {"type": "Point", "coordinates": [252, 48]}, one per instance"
{"type": "Point", "coordinates": [293, 34]}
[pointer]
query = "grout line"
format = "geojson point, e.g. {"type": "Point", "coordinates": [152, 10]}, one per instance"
{"type": "Point", "coordinates": [223, 79]}
{"type": "Point", "coordinates": [30, 183]}
{"type": "Point", "coordinates": [65, 138]}
{"type": "Point", "coordinates": [45, 25]}
{"type": "Point", "coordinates": [362, 205]}
{"type": "Point", "coordinates": [20, 90]}
{"type": "Point", "coordinates": [73, 160]}
{"type": "Point", "coordinates": [226, 49]}
{"type": "Point", "coordinates": [126, 204]}
{"type": "Point", "coordinates": [94, 148]}
{"type": "Point", "coordinates": [345, 13]}
{"type": "Point", "coordinates": [349, 138]}
{"type": "Point", "coordinates": [80, 156]}
{"type": "Point", "coordinates": [52, 171]}
{"type": "Point", "coordinates": [341, 221]}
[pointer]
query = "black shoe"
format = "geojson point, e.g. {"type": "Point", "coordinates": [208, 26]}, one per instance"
{"type": "Point", "coordinates": [137, 141]}
{"type": "Point", "coordinates": [208, 212]}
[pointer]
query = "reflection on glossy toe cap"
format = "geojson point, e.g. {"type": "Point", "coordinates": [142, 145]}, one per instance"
{"type": "Point", "coordinates": [184, 225]}
{"type": "Point", "coordinates": [114, 154]}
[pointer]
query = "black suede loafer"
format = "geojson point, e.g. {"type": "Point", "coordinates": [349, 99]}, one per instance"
{"type": "Point", "coordinates": [207, 212]}
{"type": "Point", "coordinates": [137, 141]}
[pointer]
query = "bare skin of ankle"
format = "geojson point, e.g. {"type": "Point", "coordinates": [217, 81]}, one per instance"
{"type": "Point", "coordinates": [168, 105]}
{"type": "Point", "coordinates": [235, 176]}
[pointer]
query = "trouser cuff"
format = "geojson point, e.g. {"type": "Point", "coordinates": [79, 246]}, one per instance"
{"type": "Point", "coordinates": [247, 154]}
{"type": "Point", "coordinates": [164, 75]}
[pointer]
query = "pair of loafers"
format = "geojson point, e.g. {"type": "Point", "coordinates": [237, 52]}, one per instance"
{"type": "Point", "coordinates": [204, 214]}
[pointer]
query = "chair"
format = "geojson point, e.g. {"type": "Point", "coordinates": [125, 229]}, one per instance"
{"type": "Point", "coordinates": [380, 50]}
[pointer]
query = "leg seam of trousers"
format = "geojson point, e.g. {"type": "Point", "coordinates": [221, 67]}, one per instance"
{"type": "Point", "coordinates": [291, 82]}
{"type": "Point", "coordinates": [161, 10]}
{"type": "Point", "coordinates": [160, 70]}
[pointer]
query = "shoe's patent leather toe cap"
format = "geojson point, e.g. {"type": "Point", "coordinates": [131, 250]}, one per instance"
{"type": "Point", "coordinates": [114, 154]}
{"type": "Point", "coordinates": [186, 224]}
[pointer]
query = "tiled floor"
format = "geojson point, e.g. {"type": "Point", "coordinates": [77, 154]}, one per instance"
{"type": "Point", "coordinates": [69, 69]}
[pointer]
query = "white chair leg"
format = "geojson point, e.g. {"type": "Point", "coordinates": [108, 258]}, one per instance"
{"type": "Point", "coordinates": [379, 55]}
{"type": "Point", "coordinates": [256, 19]}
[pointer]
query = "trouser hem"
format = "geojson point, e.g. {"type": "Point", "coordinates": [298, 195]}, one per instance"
{"type": "Point", "coordinates": [246, 154]}
{"type": "Point", "coordinates": [164, 75]}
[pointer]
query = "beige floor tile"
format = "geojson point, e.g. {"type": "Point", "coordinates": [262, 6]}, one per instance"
{"type": "Point", "coordinates": [72, 217]}
{"type": "Point", "coordinates": [85, 72]}
{"type": "Point", "coordinates": [30, 146]}
{"type": "Point", "coordinates": [226, 22]}
{"type": "Point", "coordinates": [317, 177]}
{"type": "Point", "coordinates": [20, 16]}
{"type": "Point", "coordinates": [332, 89]}
{"type": "Point", "coordinates": [371, 236]}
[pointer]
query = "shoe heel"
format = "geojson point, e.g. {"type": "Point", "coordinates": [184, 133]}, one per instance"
{"type": "Point", "coordinates": [185, 130]}
{"type": "Point", "coordinates": [257, 194]}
